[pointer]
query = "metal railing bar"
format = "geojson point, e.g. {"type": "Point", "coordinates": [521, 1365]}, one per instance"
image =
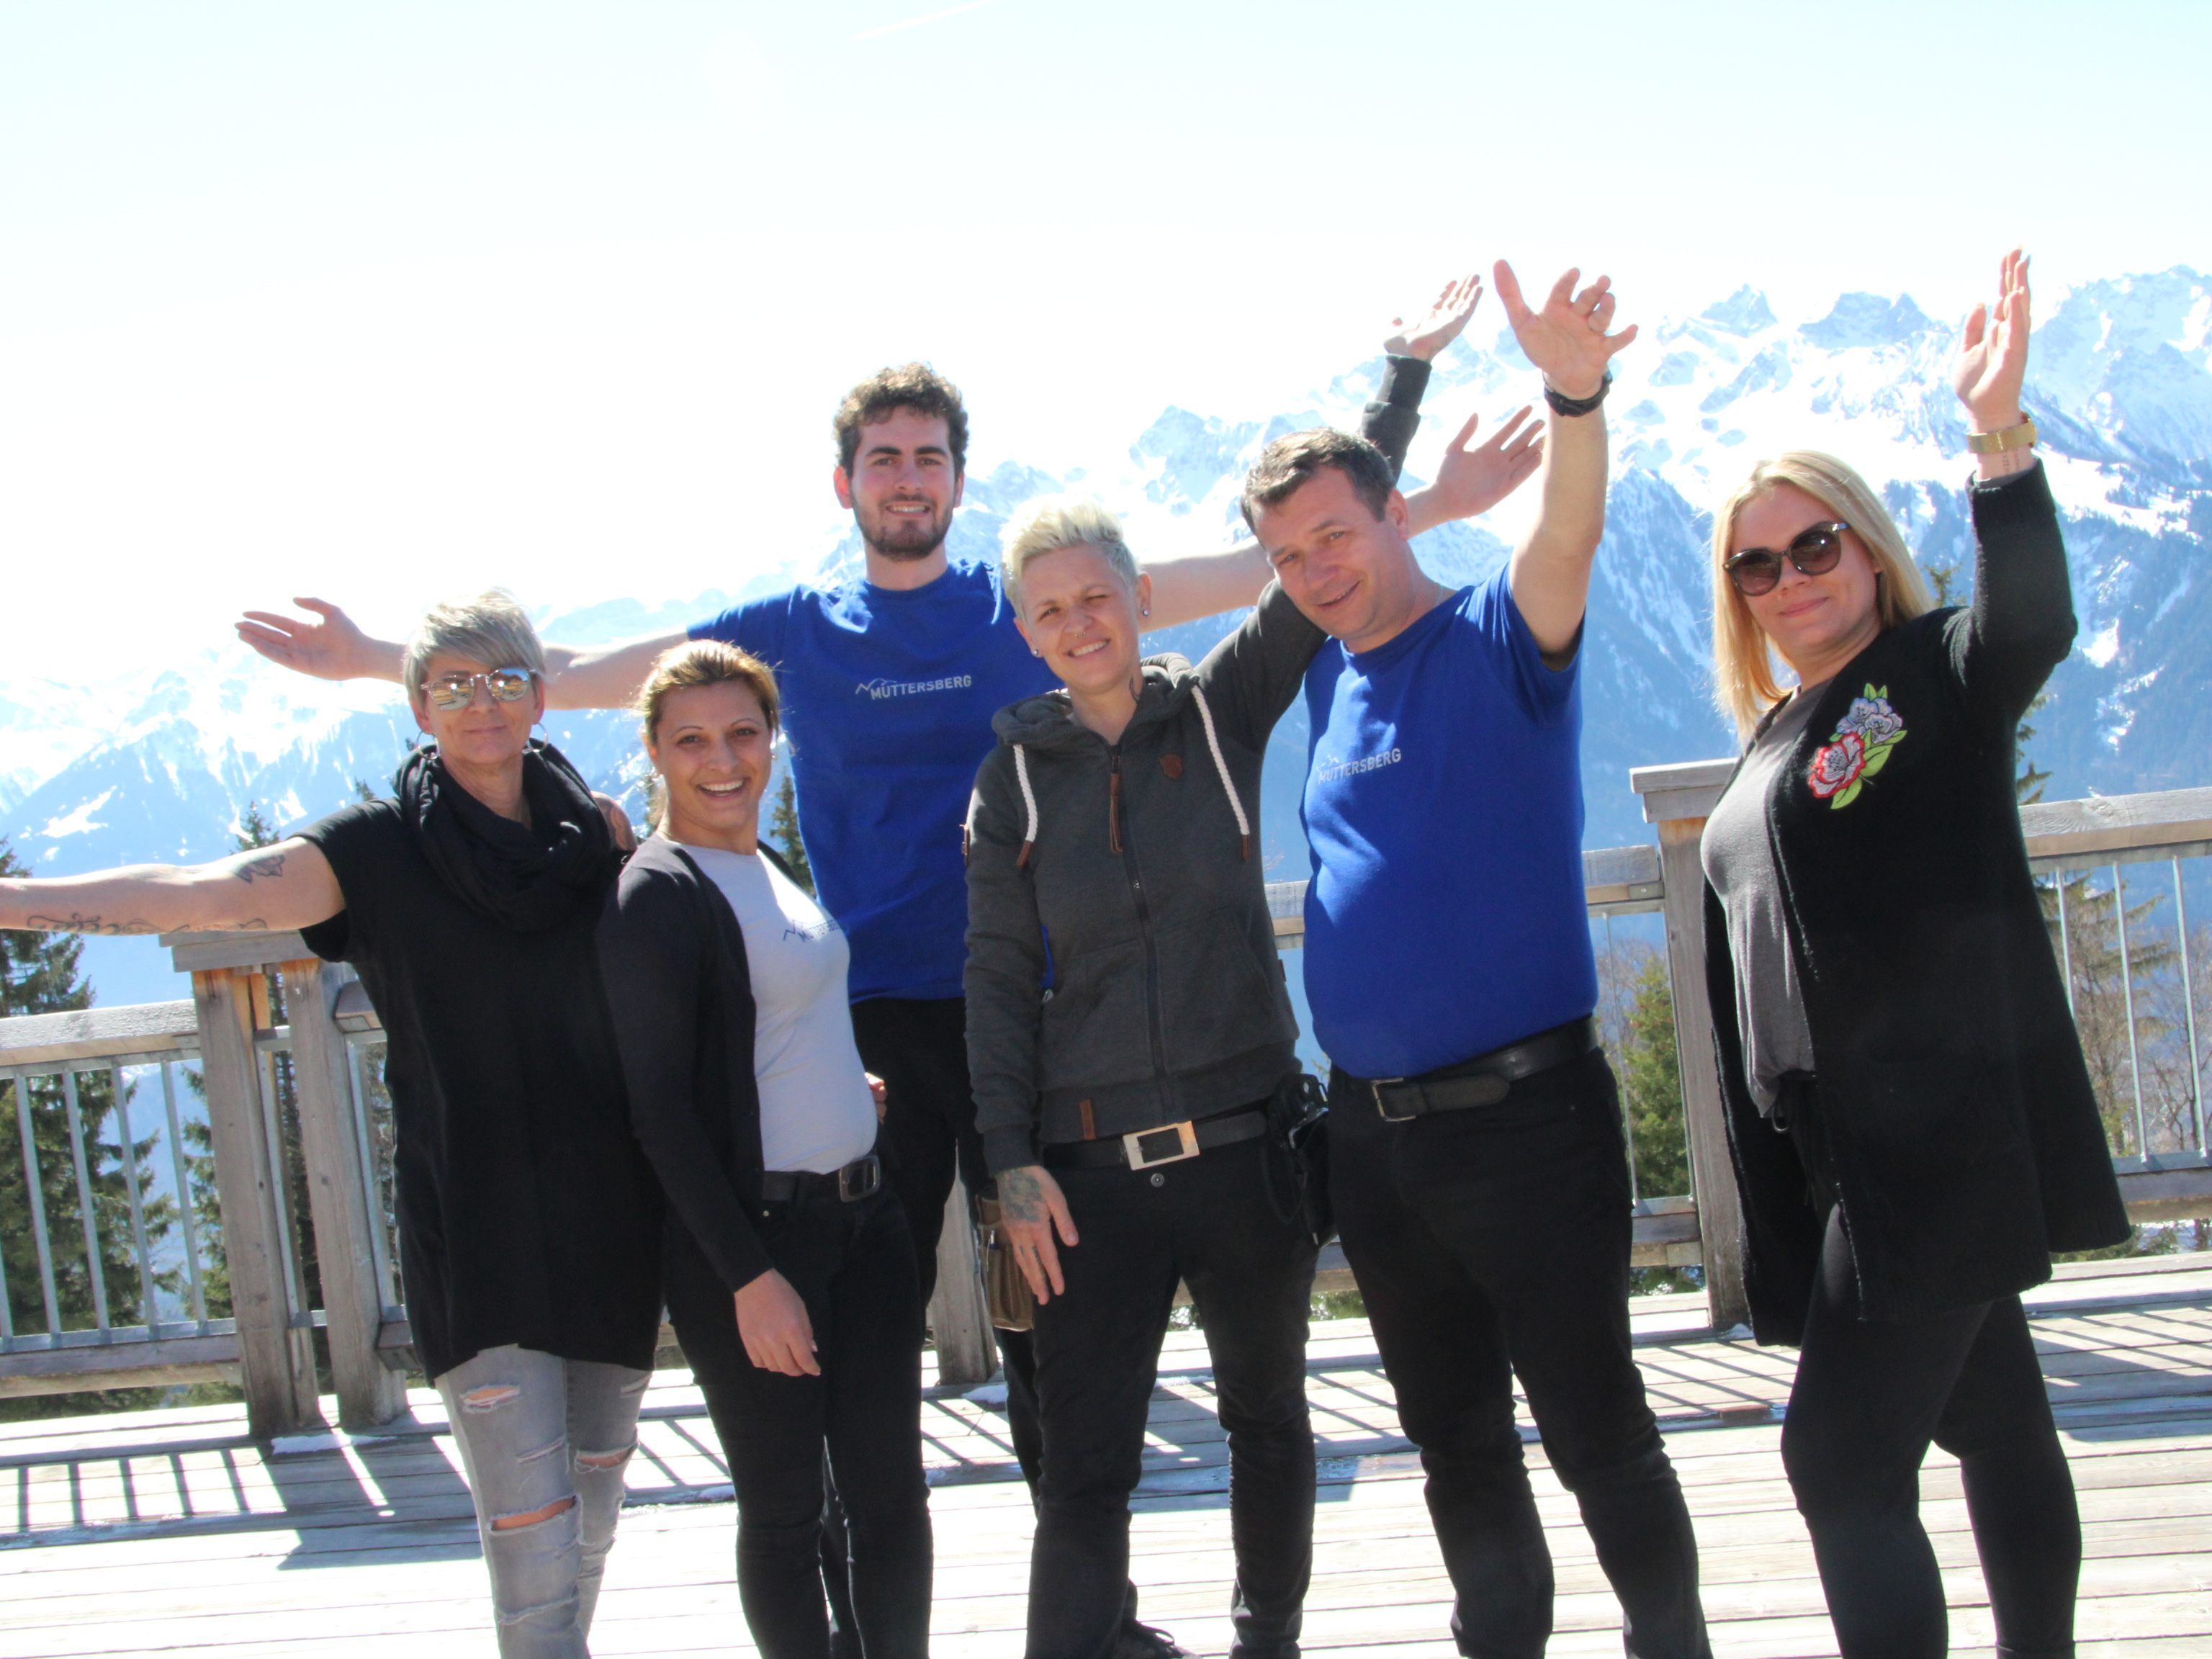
{"type": "Point", "coordinates": [7, 1298]}
{"type": "Point", "coordinates": [2065, 947]}
{"type": "Point", "coordinates": [2127, 1004]}
{"type": "Point", "coordinates": [34, 1184]}
{"type": "Point", "coordinates": [120, 1336]}
{"type": "Point", "coordinates": [272, 1128]}
{"type": "Point", "coordinates": [2162, 1162]}
{"type": "Point", "coordinates": [148, 1307]}
{"type": "Point", "coordinates": [88, 1218]}
{"type": "Point", "coordinates": [380, 1250]}
{"type": "Point", "coordinates": [2153, 852]}
{"type": "Point", "coordinates": [183, 1167]}
{"type": "Point", "coordinates": [2189, 1005]}
{"type": "Point", "coordinates": [28, 1070]}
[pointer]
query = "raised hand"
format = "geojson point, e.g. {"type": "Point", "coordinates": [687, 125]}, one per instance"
{"type": "Point", "coordinates": [1993, 352]}
{"type": "Point", "coordinates": [331, 649]}
{"type": "Point", "coordinates": [1447, 316]}
{"type": "Point", "coordinates": [1474, 478]}
{"type": "Point", "coordinates": [1567, 339]}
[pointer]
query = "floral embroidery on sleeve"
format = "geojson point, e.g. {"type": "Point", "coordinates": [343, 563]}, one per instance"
{"type": "Point", "coordinates": [1860, 748]}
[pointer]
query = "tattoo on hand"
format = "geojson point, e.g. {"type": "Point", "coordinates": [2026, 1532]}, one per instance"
{"type": "Point", "coordinates": [267, 869]}
{"type": "Point", "coordinates": [1021, 1196]}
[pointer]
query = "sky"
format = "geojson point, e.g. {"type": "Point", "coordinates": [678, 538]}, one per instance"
{"type": "Point", "coordinates": [385, 303]}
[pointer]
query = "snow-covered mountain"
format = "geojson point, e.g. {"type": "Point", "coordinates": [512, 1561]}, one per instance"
{"type": "Point", "coordinates": [162, 765]}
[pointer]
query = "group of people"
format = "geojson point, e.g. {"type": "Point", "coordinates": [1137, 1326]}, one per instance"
{"type": "Point", "coordinates": [1042, 957]}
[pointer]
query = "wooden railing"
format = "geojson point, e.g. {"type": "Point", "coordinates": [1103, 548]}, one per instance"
{"type": "Point", "coordinates": [289, 1125]}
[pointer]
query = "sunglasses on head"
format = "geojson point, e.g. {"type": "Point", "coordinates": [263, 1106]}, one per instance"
{"type": "Point", "coordinates": [1815, 550]}
{"type": "Point", "coordinates": [451, 691]}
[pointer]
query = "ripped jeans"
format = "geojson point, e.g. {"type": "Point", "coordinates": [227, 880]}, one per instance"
{"type": "Point", "coordinates": [543, 1442]}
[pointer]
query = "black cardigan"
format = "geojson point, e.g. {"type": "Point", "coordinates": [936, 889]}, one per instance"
{"type": "Point", "coordinates": [672, 957]}
{"type": "Point", "coordinates": [1952, 1097]}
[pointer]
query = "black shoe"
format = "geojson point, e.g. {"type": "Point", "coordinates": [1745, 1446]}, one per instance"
{"type": "Point", "coordinates": [1139, 1641]}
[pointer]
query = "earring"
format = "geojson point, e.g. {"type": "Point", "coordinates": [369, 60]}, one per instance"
{"type": "Point", "coordinates": [1145, 611]}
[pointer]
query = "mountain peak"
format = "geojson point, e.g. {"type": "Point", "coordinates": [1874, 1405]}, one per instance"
{"type": "Point", "coordinates": [1744, 311]}
{"type": "Point", "coordinates": [1867, 319]}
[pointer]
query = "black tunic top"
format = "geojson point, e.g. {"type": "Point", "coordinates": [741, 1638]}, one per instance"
{"type": "Point", "coordinates": [527, 1214]}
{"type": "Point", "coordinates": [1953, 1104]}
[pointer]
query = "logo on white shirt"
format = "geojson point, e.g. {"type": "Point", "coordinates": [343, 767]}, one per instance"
{"type": "Point", "coordinates": [879, 690]}
{"type": "Point", "coordinates": [1329, 771]}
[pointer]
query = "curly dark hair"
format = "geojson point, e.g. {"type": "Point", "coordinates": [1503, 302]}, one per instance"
{"type": "Point", "coordinates": [915, 387]}
{"type": "Point", "coordinates": [1290, 462]}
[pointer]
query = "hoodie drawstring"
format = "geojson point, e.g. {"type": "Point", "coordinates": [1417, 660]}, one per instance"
{"type": "Point", "coordinates": [1221, 771]}
{"type": "Point", "coordinates": [1029, 806]}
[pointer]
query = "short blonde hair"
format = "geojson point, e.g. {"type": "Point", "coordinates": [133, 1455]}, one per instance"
{"type": "Point", "coordinates": [1052, 522]}
{"type": "Point", "coordinates": [1744, 683]}
{"type": "Point", "coordinates": [491, 630]}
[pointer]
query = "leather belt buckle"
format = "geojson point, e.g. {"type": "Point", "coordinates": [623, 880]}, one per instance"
{"type": "Point", "coordinates": [1186, 1145]}
{"type": "Point", "coordinates": [860, 1178]}
{"type": "Point", "coordinates": [1375, 1087]}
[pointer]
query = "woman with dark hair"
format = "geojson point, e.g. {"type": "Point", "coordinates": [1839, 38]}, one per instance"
{"type": "Point", "coordinates": [1913, 1128]}
{"type": "Point", "coordinates": [529, 1224]}
{"type": "Point", "coordinates": [791, 1274]}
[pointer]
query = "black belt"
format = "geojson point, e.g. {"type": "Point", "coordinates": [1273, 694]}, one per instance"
{"type": "Point", "coordinates": [1171, 1143]}
{"type": "Point", "coordinates": [1483, 1081]}
{"type": "Point", "coordinates": [855, 1181]}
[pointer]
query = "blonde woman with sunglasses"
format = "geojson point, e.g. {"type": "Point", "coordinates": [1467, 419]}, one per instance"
{"type": "Point", "coordinates": [1912, 1125]}
{"type": "Point", "coordinates": [529, 1220]}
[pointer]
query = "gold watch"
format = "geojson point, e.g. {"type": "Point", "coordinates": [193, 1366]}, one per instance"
{"type": "Point", "coordinates": [1996, 443]}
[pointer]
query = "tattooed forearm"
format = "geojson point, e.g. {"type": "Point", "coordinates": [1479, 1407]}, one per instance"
{"type": "Point", "coordinates": [77, 922]}
{"type": "Point", "coordinates": [267, 869]}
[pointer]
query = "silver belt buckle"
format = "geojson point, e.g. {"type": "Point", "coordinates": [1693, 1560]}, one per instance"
{"type": "Point", "coordinates": [1375, 1087]}
{"type": "Point", "coordinates": [1185, 1141]}
{"type": "Point", "coordinates": [852, 1186]}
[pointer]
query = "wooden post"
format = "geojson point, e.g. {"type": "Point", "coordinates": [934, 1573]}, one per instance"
{"type": "Point", "coordinates": [1679, 799]}
{"type": "Point", "coordinates": [959, 1318]}
{"type": "Point", "coordinates": [276, 1361]}
{"type": "Point", "coordinates": [369, 1391]}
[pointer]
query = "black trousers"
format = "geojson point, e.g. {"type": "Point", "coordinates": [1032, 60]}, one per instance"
{"type": "Point", "coordinates": [1211, 1223]}
{"type": "Point", "coordinates": [1870, 1399]}
{"type": "Point", "coordinates": [853, 1265]}
{"type": "Point", "coordinates": [1495, 1241]}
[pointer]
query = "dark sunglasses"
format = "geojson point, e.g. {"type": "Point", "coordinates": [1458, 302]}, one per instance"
{"type": "Point", "coordinates": [1813, 550]}
{"type": "Point", "coordinates": [451, 691]}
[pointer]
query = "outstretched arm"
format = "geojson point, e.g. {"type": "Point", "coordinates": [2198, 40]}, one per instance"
{"type": "Point", "coordinates": [333, 647]}
{"type": "Point", "coordinates": [1471, 480]}
{"type": "Point", "coordinates": [288, 885]}
{"type": "Point", "coordinates": [1567, 342]}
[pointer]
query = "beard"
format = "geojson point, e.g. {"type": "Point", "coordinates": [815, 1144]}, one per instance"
{"type": "Point", "coordinates": [904, 541]}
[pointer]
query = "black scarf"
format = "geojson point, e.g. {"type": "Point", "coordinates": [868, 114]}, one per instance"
{"type": "Point", "coordinates": [524, 877]}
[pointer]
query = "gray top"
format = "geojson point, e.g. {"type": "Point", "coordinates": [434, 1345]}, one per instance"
{"type": "Point", "coordinates": [1739, 860]}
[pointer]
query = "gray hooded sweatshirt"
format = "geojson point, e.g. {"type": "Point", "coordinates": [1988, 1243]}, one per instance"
{"type": "Point", "coordinates": [1122, 966]}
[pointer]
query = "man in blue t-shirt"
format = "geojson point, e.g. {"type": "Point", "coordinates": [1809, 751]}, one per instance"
{"type": "Point", "coordinates": [1478, 1169]}
{"type": "Point", "coordinates": [889, 685]}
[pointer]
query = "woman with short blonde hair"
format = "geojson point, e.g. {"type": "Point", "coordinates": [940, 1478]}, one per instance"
{"type": "Point", "coordinates": [1911, 1124]}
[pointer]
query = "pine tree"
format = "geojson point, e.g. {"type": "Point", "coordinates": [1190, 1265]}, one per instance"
{"type": "Point", "coordinates": [40, 974]}
{"type": "Point", "coordinates": [783, 830]}
{"type": "Point", "coordinates": [1651, 1085]}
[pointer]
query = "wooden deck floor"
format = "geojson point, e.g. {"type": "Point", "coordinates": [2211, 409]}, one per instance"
{"type": "Point", "coordinates": [171, 1533]}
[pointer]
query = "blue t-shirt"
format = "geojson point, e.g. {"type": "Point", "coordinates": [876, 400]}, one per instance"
{"type": "Point", "coordinates": [1444, 804]}
{"type": "Point", "coordinates": [888, 696]}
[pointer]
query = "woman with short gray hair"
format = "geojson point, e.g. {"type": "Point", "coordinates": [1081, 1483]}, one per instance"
{"type": "Point", "coordinates": [529, 1222]}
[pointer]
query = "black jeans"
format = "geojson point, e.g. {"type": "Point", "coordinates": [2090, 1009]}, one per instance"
{"type": "Point", "coordinates": [853, 1265]}
{"type": "Point", "coordinates": [1868, 1400]}
{"type": "Point", "coordinates": [1211, 1223]}
{"type": "Point", "coordinates": [1492, 1241]}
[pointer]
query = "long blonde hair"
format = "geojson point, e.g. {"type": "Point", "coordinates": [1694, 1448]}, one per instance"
{"type": "Point", "coordinates": [1744, 683]}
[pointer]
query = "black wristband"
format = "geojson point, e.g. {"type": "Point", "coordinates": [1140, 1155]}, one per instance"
{"type": "Point", "coordinates": [1569, 407]}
